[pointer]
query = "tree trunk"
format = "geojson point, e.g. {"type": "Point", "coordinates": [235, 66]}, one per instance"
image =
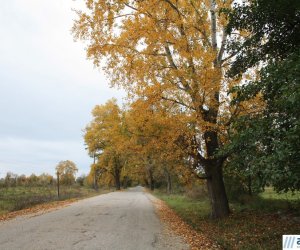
{"type": "Point", "coordinates": [146, 181]}
{"type": "Point", "coordinates": [58, 194]}
{"type": "Point", "coordinates": [215, 184]}
{"type": "Point", "coordinates": [117, 182]}
{"type": "Point", "coordinates": [249, 185]}
{"type": "Point", "coordinates": [169, 181]}
{"type": "Point", "coordinates": [151, 180]}
{"type": "Point", "coordinates": [95, 180]}
{"type": "Point", "coordinates": [125, 181]}
{"type": "Point", "coordinates": [117, 172]}
{"type": "Point", "coordinates": [216, 190]}
{"type": "Point", "coordinates": [95, 173]}
{"type": "Point", "coordinates": [117, 179]}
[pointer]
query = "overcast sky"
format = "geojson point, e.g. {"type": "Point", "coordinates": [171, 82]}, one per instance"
{"type": "Point", "coordinates": [47, 87]}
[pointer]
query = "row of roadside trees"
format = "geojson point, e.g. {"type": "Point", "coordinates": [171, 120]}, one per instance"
{"type": "Point", "coordinates": [213, 89]}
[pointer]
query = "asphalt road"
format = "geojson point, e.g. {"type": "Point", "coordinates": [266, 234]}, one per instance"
{"type": "Point", "coordinates": [118, 220]}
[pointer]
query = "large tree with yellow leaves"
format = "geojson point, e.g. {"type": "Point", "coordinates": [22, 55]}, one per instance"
{"type": "Point", "coordinates": [104, 138]}
{"type": "Point", "coordinates": [172, 51]}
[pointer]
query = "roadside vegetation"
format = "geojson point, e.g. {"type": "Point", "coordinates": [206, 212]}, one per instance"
{"type": "Point", "coordinates": [18, 198]}
{"type": "Point", "coordinates": [19, 192]}
{"type": "Point", "coordinates": [257, 222]}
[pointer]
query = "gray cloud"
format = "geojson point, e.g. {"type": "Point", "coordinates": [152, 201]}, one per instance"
{"type": "Point", "coordinates": [47, 87]}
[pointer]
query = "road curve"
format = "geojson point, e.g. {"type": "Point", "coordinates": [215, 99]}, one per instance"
{"type": "Point", "coordinates": [118, 220]}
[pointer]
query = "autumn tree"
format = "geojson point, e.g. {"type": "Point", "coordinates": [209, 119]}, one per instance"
{"type": "Point", "coordinates": [104, 136]}
{"type": "Point", "coordinates": [153, 129]}
{"type": "Point", "coordinates": [66, 170]}
{"type": "Point", "coordinates": [10, 179]}
{"type": "Point", "coordinates": [173, 51]}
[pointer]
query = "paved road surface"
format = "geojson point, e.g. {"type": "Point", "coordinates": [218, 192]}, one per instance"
{"type": "Point", "coordinates": [118, 220]}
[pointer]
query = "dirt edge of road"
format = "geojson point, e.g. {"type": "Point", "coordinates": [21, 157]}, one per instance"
{"type": "Point", "coordinates": [175, 224]}
{"type": "Point", "coordinates": [43, 208]}
{"type": "Point", "coordinates": [37, 209]}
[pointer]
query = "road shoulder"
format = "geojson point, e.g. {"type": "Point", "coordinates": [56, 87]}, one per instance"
{"type": "Point", "coordinates": [175, 226]}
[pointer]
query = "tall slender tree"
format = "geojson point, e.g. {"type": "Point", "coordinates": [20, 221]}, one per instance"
{"type": "Point", "coordinates": [104, 136]}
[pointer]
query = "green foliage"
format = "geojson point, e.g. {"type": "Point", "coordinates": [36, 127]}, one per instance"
{"type": "Point", "coordinates": [270, 194]}
{"type": "Point", "coordinates": [81, 180]}
{"type": "Point", "coordinates": [187, 208]}
{"type": "Point", "coordinates": [265, 146]}
{"type": "Point", "coordinates": [240, 187]}
{"type": "Point", "coordinates": [273, 26]}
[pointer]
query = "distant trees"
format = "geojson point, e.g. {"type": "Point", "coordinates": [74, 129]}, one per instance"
{"type": "Point", "coordinates": [10, 179]}
{"type": "Point", "coordinates": [138, 143]}
{"type": "Point", "coordinates": [80, 180]}
{"type": "Point", "coordinates": [14, 180]}
{"type": "Point", "coordinates": [66, 170]}
{"type": "Point", "coordinates": [104, 137]}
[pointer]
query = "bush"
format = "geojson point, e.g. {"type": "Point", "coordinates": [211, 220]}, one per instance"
{"type": "Point", "coordinates": [198, 191]}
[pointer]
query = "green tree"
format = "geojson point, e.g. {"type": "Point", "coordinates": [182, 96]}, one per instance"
{"type": "Point", "coordinates": [272, 28]}
{"type": "Point", "coordinates": [264, 145]}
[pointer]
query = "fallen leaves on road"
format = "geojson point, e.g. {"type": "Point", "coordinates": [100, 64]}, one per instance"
{"type": "Point", "coordinates": [195, 239]}
{"type": "Point", "coordinates": [37, 210]}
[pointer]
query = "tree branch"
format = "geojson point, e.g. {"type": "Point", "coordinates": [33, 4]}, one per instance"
{"type": "Point", "coordinates": [177, 102]}
{"type": "Point", "coordinates": [213, 24]}
{"type": "Point", "coordinates": [222, 48]}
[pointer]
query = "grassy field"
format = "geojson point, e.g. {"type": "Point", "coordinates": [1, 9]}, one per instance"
{"type": "Point", "coordinates": [17, 198]}
{"type": "Point", "coordinates": [257, 224]}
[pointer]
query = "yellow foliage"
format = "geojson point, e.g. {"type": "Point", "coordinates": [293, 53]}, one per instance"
{"type": "Point", "coordinates": [170, 57]}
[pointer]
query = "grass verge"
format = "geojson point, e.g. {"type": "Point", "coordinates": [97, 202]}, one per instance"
{"type": "Point", "coordinates": [18, 198]}
{"type": "Point", "coordinates": [257, 224]}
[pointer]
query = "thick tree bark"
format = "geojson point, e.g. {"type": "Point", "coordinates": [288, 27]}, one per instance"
{"type": "Point", "coordinates": [151, 180]}
{"type": "Point", "coordinates": [249, 185]}
{"type": "Point", "coordinates": [146, 181]}
{"type": "Point", "coordinates": [216, 190]}
{"type": "Point", "coordinates": [117, 172]}
{"type": "Point", "coordinates": [117, 179]}
{"type": "Point", "coordinates": [95, 180]}
{"type": "Point", "coordinates": [58, 193]}
{"type": "Point", "coordinates": [214, 171]}
{"type": "Point", "coordinates": [149, 171]}
{"type": "Point", "coordinates": [125, 182]}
